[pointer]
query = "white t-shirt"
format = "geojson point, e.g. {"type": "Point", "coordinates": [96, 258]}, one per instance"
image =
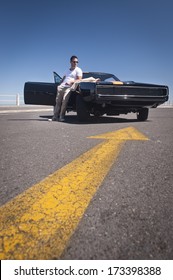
{"type": "Point", "coordinates": [72, 75]}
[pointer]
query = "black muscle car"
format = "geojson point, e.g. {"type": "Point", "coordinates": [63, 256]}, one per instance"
{"type": "Point", "coordinates": [108, 95]}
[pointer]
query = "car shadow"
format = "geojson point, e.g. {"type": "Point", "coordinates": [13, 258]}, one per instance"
{"type": "Point", "coordinates": [72, 119]}
{"type": "Point", "coordinates": [22, 119]}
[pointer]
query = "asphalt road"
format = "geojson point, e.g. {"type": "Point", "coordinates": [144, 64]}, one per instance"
{"type": "Point", "coordinates": [131, 215]}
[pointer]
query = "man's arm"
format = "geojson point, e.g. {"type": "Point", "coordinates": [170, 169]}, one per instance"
{"type": "Point", "coordinates": [78, 79]}
{"type": "Point", "coordinates": [79, 75]}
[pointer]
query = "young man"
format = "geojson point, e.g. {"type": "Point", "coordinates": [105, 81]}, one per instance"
{"type": "Point", "coordinates": [74, 74]}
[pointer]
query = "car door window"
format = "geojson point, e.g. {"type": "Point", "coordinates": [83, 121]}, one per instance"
{"type": "Point", "coordinates": [57, 78]}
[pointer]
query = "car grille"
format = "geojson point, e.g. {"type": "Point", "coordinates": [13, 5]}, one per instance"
{"type": "Point", "coordinates": [132, 91]}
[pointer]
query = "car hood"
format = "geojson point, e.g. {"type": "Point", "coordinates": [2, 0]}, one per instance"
{"type": "Point", "coordinates": [131, 83]}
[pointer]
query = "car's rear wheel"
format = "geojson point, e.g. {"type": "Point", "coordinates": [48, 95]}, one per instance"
{"type": "Point", "coordinates": [81, 108]}
{"type": "Point", "coordinates": [142, 114]}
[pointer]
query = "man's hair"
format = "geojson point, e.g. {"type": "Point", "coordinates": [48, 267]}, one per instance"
{"type": "Point", "coordinates": [72, 57]}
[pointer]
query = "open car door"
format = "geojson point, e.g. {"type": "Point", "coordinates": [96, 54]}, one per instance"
{"type": "Point", "coordinates": [39, 93]}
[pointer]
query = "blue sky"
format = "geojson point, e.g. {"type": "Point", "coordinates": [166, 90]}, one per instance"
{"type": "Point", "coordinates": [131, 38]}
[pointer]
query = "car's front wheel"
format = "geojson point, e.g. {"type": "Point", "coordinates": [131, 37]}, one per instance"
{"type": "Point", "coordinates": [142, 114]}
{"type": "Point", "coordinates": [81, 108]}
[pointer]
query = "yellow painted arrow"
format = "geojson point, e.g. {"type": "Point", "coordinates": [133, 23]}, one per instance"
{"type": "Point", "coordinates": [38, 223]}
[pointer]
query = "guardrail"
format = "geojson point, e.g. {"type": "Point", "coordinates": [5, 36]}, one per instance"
{"type": "Point", "coordinates": [12, 99]}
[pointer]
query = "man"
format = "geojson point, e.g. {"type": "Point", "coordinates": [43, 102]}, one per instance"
{"type": "Point", "coordinates": [74, 74]}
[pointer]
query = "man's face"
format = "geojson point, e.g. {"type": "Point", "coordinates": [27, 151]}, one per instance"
{"type": "Point", "coordinates": [74, 62]}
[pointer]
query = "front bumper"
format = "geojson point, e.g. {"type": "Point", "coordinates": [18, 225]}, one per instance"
{"type": "Point", "coordinates": [144, 96]}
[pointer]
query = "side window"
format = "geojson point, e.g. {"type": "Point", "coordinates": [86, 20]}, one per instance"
{"type": "Point", "coordinates": [57, 78]}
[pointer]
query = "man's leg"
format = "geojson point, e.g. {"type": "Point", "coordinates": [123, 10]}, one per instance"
{"type": "Point", "coordinates": [59, 98]}
{"type": "Point", "coordinates": [64, 103]}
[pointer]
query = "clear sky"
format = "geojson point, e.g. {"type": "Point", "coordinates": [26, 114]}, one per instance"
{"type": "Point", "coordinates": [132, 39]}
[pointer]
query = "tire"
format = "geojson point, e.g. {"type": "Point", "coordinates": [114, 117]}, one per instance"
{"type": "Point", "coordinates": [142, 115]}
{"type": "Point", "coordinates": [81, 108]}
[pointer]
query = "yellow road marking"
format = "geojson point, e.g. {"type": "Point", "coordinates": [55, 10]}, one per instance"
{"type": "Point", "coordinates": [38, 223]}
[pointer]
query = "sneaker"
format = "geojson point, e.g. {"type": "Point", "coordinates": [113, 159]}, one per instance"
{"type": "Point", "coordinates": [54, 119]}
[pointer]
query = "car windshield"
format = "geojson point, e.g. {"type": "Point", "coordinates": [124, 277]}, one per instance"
{"type": "Point", "coordinates": [102, 76]}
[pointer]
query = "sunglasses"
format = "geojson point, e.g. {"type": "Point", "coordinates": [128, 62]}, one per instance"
{"type": "Point", "coordinates": [75, 61]}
